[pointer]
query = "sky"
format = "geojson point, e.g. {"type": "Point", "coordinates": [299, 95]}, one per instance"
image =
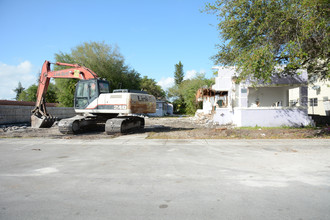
{"type": "Point", "coordinates": [152, 36]}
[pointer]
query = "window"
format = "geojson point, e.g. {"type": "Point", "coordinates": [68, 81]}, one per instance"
{"type": "Point", "coordinates": [81, 99]}
{"type": "Point", "coordinates": [159, 106]}
{"type": "Point", "coordinates": [92, 89]}
{"type": "Point", "coordinates": [82, 90]}
{"type": "Point", "coordinates": [313, 102]}
{"type": "Point", "coordinates": [104, 87]}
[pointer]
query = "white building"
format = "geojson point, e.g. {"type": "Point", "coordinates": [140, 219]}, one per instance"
{"type": "Point", "coordinates": [162, 108]}
{"type": "Point", "coordinates": [318, 98]}
{"type": "Point", "coordinates": [260, 105]}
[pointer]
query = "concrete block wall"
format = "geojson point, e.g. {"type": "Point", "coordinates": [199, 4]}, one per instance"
{"type": "Point", "coordinates": [61, 112]}
{"type": "Point", "coordinates": [10, 114]}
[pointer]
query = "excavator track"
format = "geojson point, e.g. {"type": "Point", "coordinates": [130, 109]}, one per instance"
{"type": "Point", "coordinates": [123, 124]}
{"type": "Point", "coordinates": [70, 125]}
{"type": "Point", "coordinates": [76, 124]}
{"type": "Point", "coordinates": [79, 123]}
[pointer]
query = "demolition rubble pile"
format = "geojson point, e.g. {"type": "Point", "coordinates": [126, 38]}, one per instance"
{"type": "Point", "coordinates": [14, 127]}
{"type": "Point", "coordinates": [206, 120]}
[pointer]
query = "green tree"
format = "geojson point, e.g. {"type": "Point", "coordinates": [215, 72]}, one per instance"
{"type": "Point", "coordinates": [178, 104]}
{"type": "Point", "coordinates": [259, 35]}
{"type": "Point", "coordinates": [187, 90]}
{"type": "Point", "coordinates": [150, 86]}
{"type": "Point", "coordinates": [52, 93]}
{"type": "Point", "coordinates": [178, 74]}
{"type": "Point", "coordinates": [66, 87]}
{"type": "Point", "coordinates": [19, 89]}
{"type": "Point", "coordinates": [30, 94]}
{"type": "Point", "coordinates": [104, 60]}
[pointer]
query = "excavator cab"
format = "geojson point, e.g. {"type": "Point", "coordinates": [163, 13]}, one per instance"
{"type": "Point", "coordinates": [88, 90]}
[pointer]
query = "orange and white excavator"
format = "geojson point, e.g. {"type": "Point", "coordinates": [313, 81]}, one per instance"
{"type": "Point", "coordinates": [93, 103]}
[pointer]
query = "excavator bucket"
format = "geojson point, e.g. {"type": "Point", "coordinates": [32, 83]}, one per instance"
{"type": "Point", "coordinates": [42, 122]}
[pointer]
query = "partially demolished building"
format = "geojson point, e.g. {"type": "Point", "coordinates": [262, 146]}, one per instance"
{"type": "Point", "coordinates": [248, 104]}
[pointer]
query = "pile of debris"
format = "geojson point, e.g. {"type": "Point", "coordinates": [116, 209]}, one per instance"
{"type": "Point", "coordinates": [206, 120]}
{"type": "Point", "coordinates": [14, 127]}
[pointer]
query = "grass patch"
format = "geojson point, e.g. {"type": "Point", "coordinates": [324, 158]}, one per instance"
{"type": "Point", "coordinates": [274, 128]}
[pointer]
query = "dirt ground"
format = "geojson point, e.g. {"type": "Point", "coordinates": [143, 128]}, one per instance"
{"type": "Point", "coordinates": [174, 128]}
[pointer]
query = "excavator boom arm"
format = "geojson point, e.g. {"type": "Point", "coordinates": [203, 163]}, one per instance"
{"type": "Point", "coordinates": [76, 72]}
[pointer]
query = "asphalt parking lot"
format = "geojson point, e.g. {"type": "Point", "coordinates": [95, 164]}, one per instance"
{"type": "Point", "coordinates": [135, 178]}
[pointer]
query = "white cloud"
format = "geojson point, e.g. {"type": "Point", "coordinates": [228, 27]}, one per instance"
{"type": "Point", "coordinates": [11, 75]}
{"type": "Point", "coordinates": [166, 83]}
{"type": "Point", "coordinates": [192, 73]}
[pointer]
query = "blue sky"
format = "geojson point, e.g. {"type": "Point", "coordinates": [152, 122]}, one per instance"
{"type": "Point", "coordinates": [152, 35]}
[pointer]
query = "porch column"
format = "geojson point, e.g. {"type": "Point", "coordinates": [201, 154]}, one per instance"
{"type": "Point", "coordinates": [303, 96]}
{"type": "Point", "coordinates": [243, 97]}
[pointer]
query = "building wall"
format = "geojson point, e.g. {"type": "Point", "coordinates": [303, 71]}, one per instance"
{"type": "Point", "coordinates": [223, 116]}
{"type": "Point", "coordinates": [169, 109]}
{"type": "Point", "coordinates": [159, 110]}
{"type": "Point", "coordinates": [208, 103]}
{"type": "Point", "coordinates": [162, 109]}
{"type": "Point", "coordinates": [320, 91]}
{"type": "Point", "coordinates": [10, 114]}
{"type": "Point", "coordinates": [223, 82]}
{"type": "Point", "coordinates": [242, 96]}
{"type": "Point", "coordinates": [269, 95]}
{"type": "Point", "coordinates": [271, 117]}
{"type": "Point", "coordinates": [262, 116]}
{"type": "Point", "coordinates": [294, 97]}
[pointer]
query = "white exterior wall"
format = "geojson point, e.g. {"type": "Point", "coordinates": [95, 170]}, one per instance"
{"type": "Point", "coordinates": [223, 116]}
{"type": "Point", "coordinates": [208, 104]}
{"type": "Point", "coordinates": [271, 117]}
{"type": "Point", "coordinates": [322, 94]}
{"type": "Point", "coordinates": [223, 82]}
{"type": "Point", "coordinates": [294, 96]}
{"type": "Point", "coordinates": [262, 116]}
{"type": "Point", "coordinates": [242, 96]}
